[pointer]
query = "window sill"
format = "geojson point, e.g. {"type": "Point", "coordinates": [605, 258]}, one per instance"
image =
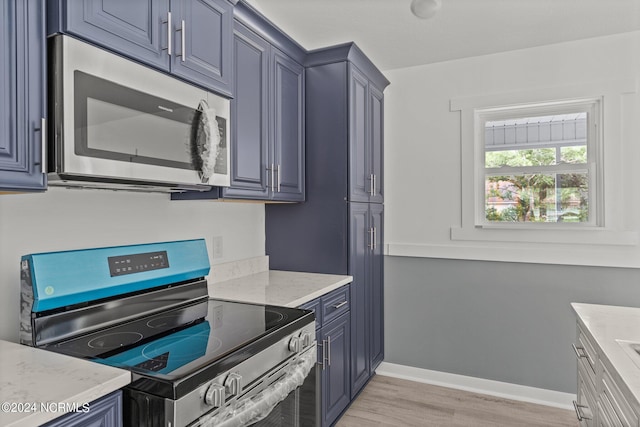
{"type": "Point", "coordinates": [583, 236]}
{"type": "Point", "coordinates": [602, 248]}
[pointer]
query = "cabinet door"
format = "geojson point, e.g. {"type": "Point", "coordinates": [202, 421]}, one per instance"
{"type": "Point", "coordinates": [376, 136]}
{"type": "Point", "coordinates": [359, 149]}
{"type": "Point", "coordinates": [335, 341]}
{"type": "Point", "coordinates": [104, 412]}
{"type": "Point", "coordinates": [22, 89]}
{"type": "Point", "coordinates": [360, 240]}
{"type": "Point", "coordinates": [288, 127]}
{"type": "Point", "coordinates": [202, 36]}
{"type": "Point", "coordinates": [137, 29]}
{"type": "Point", "coordinates": [375, 282]}
{"type": "Point", "coordinates": [249, 117]}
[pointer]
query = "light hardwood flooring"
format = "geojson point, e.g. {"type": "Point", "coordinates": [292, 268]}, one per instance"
{"type": "Point", "coordinates": [388, 401]}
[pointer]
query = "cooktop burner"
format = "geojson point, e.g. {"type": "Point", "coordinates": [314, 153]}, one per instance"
{"type": "Point", "coordinates": [115, 340]}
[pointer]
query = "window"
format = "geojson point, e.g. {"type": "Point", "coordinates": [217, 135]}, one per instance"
{"type": "Point", "coordinates": [539, 164]}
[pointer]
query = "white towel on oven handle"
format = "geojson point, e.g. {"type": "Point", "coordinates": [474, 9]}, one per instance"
{"type": "Point", "coordinates": [258, 407]}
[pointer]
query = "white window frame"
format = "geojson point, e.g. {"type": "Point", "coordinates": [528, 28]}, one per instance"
{"type": "Point", "coordinates": [594, 166]}
{"type": "Point", "coordinates": [612, 227]}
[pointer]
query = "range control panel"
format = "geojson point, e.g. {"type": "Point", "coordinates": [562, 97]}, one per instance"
{"type": "Point", "coordinates": [137, 263]}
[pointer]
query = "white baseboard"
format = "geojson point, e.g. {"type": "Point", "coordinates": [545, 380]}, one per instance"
{"type": "Point", "coordinates": [479, 385]}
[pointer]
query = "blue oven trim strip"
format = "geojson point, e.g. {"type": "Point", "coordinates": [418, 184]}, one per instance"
{"type": "Point", "coordinates": [59, 279]}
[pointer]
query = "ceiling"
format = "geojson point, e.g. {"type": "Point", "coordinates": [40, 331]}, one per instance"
{"type": "Point", "coordinates": [393, 38]}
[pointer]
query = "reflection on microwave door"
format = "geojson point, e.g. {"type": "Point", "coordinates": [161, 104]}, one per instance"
{"type": "Point", "coordinates": [207, 147]}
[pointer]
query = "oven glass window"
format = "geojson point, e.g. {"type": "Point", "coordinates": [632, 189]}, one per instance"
{"type": "Point", "coordinates": [298, 409]}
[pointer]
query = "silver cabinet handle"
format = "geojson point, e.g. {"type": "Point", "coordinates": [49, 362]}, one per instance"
{"type": "Point", "coordinates": [43, 141]}
{"type": "Point", "coordinates": [375, 238]}
{"type": "Point", "coordinates": [580, 352]}
{"type": "Point", "coordinates": [272, 184]}
{"type": "Point", "coordinates": [183, 29]}
{"type": "Point", "coordinates": [375, 191]}
{"type": "Point", "coordinates": [324, 354]}
{"type": "Point", "coordinates": [578, 409]}
{"type": "Point", "coordinates": [372, 242]}
{"type": "Point", "coordinates": [342, 304]}
{"type": "Point", "coordinates": [375, 184]}
{"type": "Point", "coordinates": [43, 144]}
{"type": "Point", "coordinates": [329, 350]}
{"type": "Point", "coordinates": [169, 33]}
{"type": "Point", "coordinates": [278, 174]}
{"type": "Point", "coordinates": [371, 184]}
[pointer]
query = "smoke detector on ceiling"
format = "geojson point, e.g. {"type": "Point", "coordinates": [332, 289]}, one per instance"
{"type": "Point", "coordinates": [425, 9]}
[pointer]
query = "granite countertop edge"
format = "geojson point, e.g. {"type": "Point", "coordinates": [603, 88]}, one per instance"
{"type": "Point", "coordinates": [30, 375]}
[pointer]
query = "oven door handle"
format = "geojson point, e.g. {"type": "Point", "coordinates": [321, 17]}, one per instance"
{"type": "Point", "coordinates": [250, 411]}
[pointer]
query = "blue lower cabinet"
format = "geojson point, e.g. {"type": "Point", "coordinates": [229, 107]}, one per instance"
{"type": "Point", "coordinates": [104, 412]}
{"type": "Point", "coordinates": [333, 334]}
{"type": "Point", "coordinates": [334, 351]}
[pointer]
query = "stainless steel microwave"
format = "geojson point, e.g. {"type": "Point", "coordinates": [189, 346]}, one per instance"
{"type": "Point", "coordinates": [120, 125]}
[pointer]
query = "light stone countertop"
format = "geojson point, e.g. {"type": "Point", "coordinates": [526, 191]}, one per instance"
{"type": "Point", "coordinates": [273, 287]}
{"type": "Point", "coordinates": [606, 324]}
{"type": "Point", "coordinates": [33, 376]}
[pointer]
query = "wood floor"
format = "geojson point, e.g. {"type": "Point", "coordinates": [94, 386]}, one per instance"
{"type": "Point", "coordinates": [394, 402]}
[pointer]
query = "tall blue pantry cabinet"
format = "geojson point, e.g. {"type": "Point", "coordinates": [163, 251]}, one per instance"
{"type": "Point", "coordinates": [22, 100]}
{"type": "Point", "coordinates": [339, 229]}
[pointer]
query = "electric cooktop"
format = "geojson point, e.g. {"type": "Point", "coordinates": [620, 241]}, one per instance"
{"type": "Point", "coordinates": [178, 346]}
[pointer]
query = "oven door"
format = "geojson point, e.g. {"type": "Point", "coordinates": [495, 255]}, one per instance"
{"type": "Point", "coordinates": [116, 118]}
{"type": "Point", "coordinates": [291, 399]}
{"type": "Point", "coordinates": [300, 408]}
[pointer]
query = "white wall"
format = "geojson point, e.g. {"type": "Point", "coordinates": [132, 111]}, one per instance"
{"type": "Point", "coordinates": [502, 321]}
{"type": "Point", "coordinates": [63, 219]}
{"type": "Point", "coordinates": [423, 184]}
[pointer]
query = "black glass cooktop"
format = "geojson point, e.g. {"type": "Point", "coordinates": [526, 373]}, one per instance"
{"type": "Point", "coordinates": [171, 348]}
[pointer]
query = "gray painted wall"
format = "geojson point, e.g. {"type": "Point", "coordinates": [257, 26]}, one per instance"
{"type": "Point", "coordinates": [508, 322]}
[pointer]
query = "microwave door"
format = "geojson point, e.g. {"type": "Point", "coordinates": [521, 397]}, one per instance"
{"type": "Point", "coordinates": [121, 122]}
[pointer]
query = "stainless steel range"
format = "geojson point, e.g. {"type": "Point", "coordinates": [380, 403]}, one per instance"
{"type": "Point", "coordinates": [194, 361]}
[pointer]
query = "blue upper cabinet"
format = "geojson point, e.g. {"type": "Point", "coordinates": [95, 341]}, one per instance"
{"type": "Point", "coordinates": [376, 137]}
{"type": "Point", "coordinates": [288, 128]}
{"type": "Point", "coordinates": [137, 29]}
{"type": "Point", "coordinates": [366, 135]}
{"type": "Point", "coordinates": [188, 38]}
{"type": "Point", "coordinates": [250, 112]}
{"type": "Point", "coordinates": [203, 32]}
{"type": "Point", "coordinates": [22, 88]}
{"type": "Point", "coordinates": [360, 173]}
{"type": "Point", "coordinates": [268, 138]}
